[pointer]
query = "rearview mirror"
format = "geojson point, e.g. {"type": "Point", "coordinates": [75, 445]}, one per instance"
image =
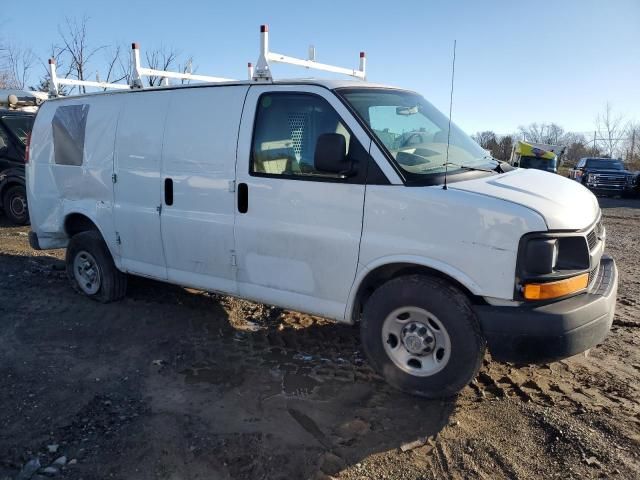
{"type": "Point", "coordinates": [407, 110]}
{"type": "Point", "coordinates": [331, 154]}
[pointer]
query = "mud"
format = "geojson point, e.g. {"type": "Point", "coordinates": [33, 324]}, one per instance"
{"type": "Point", "coordinates": [174, 383]}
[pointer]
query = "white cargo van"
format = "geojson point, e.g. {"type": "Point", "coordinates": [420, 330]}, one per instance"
{"type": "Point", "coordinates": [326, 197]}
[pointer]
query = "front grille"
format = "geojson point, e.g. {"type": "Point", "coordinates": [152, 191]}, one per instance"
{"type": "Point", "coordinates": [592, 239]}
{"type": "Point", "coordinates": [608, 180]}
{"type": "Point", "coordinates": [594, 233]}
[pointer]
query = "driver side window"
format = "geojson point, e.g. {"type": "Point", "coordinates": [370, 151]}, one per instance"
{"type": "Point", "coordinates": [286, 132]}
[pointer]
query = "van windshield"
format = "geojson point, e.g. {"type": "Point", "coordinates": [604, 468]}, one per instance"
{"type": "Point", "coordinates": [539, 163]}
{"type": "Point", "coordinates": [604, 164]}
{"type": "Point", "coordinates": [415, 133]}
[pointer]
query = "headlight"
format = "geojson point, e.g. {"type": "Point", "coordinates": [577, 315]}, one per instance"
{"type": "Point", "coordinates": [551, 265]}
{"type": "Point", "coordinates": [591, 177]}
{"type": "Point", "coordinates": [541, 255]}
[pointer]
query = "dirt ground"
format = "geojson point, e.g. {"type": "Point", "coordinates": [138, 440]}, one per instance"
{"type": "Point", "coordinates": [179, 384]}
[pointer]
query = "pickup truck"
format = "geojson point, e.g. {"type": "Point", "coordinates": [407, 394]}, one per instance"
{"type": "Point", "coordinates": [605, 176]}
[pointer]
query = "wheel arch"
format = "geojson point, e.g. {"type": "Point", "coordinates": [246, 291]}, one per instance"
{"type": "Point", "coordinates": [76, 221]}
{"type": "Point", "coordinates": [373, 276]}
{"type": "Point", "coordinates": [8, 179]}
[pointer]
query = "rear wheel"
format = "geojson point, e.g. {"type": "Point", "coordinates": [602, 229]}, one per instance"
{"type": "Point", "coordinates": [15, 205]}
{"type": "Point", "coordinates": [422, 335]}
{"type": "Point", "coordinates": [91, 270]}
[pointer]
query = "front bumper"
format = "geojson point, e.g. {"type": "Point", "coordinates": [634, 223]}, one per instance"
{"type": "Point", "coordinates": [544, 333]}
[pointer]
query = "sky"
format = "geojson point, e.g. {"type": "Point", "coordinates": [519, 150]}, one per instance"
{"type": "Point", "coordinates": [517, 62]}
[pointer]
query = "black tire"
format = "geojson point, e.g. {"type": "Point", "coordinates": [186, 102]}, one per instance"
{"type": "Point", "coordinates": [112, 282]}
{"type": "Point", "coordinates": [453, 310]}
{"type": "Point", "coordinates": [15, 205]}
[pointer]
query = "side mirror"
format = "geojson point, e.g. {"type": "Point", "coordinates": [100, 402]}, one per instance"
{"type": "Point", "coordinates": [331, 154]}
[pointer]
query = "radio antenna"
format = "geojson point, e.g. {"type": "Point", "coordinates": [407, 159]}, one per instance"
{"type": "Point", "coordinates": [453, 73]}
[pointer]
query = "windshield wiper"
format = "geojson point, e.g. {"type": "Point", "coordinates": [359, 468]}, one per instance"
{"type": "Point", "coordinates": [465, 167]}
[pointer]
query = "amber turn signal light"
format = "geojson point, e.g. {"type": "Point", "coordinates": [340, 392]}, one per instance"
{"type": "Point", "coordinates": [560, 288]}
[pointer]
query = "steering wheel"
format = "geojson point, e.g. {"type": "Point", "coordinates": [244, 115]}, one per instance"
{"type": "Point", "coordinates": [410, 137]}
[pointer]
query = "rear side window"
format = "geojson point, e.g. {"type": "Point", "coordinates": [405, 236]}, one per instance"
{"type": "Point", "coordinates": [68, 125]}
{"type": "Point", "coordinates": [287, 127]}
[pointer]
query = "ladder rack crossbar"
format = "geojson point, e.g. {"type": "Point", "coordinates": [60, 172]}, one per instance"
{"type": "Point", "coordinates": [262, 71]}
{"type": "Point", "coordinates": [89, 83]}
{"type": "Point", "coordinates": [150, 72]}
{"type": "Point", "coordinates": [279, 58]}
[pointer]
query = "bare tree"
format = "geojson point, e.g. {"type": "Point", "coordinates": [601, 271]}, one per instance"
{"type": "Point", "coordinates": [16, 64]}
{"type": "Point", "coordinates": [632, 144]}
{"type": "Point", "coordinates": [114, 63]}
{"type": "Point", "coordinates": [124, 67]}
{"type": "Point", "coordinates": [187, 67]}
{"type": "Point", "coordinates": [160, 59]}
{"type": "Point", "coordinates": [505, 145]}
{"type": "Point", "coordinates": [56, 53]}
{"type": "Point", "coordinates": [577, 147]}
{"type": "Point", "coordinates": [485, 139]}
{"type": "Point", "coordinates": [542, 133]}
{"type": "Point", "coordinates": [609, 127]}
{"type": "Point", "coordinates": [5, 79]}
{"type": "Point", "coordinates": [76, 47]}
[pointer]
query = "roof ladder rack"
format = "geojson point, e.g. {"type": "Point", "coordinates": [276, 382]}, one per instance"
{"type": "Point", "coordinates": [263, 72]}
{"type": "Point", "coordinates": [139, 71]}
{"type": "Point", "coordinates": [55, 82]}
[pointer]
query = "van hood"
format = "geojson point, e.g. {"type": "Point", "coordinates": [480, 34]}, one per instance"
{"type": "Point", "coordinates": [564, 204]}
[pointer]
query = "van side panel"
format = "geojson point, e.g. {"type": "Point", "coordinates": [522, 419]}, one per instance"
{"type": "Point", "coordinates": [198, 160]}
{"type": "Point", "coordinates": [463, 235]}
{"type": "Point", "coordinates": [56, 190]}
{"type": "Point", "coordinates": [137, 188]}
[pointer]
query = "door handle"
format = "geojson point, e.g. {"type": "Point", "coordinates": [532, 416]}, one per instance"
{"type": "Point", "coordinates": [243, 197]}
{"type": "Point", "coordinates": [168, 191]}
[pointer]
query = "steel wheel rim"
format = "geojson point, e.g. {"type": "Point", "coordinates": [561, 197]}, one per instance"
{"type": "Point", "coordinates": [18, 205]}
{"type": "Point", "coordinates": [86, 272]}
{"type": "Point", "coordinates": [416, 341]}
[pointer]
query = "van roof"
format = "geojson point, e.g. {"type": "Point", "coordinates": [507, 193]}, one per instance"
{"type": "Point", "coordinates": [330, 84]}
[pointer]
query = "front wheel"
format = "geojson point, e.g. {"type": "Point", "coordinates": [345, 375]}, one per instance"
{"type": "Point", "coordinates": [422, 335]}
{"type": "Point", "coordinates": [15, 205]}
{"type": "Point", "coordinates": [91, 270]}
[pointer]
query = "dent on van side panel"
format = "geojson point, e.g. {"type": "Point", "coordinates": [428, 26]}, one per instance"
{"type": "Point", "coordinates": [60, 189]}
{"type": "Point", "coordinates": [42, 192]}
{"type": "Point", "coordinates": [469, 237]}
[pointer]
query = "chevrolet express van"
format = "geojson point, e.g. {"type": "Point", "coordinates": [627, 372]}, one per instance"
{"type": "Point", "coordinates": [344, 199]}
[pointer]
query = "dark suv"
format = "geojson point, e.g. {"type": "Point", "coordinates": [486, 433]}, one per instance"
{"type": "Point", "coordinates": [601, 175]}
{"type": "Point", "coordinates": [14, 129]}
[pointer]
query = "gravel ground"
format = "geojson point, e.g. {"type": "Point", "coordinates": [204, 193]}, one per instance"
{"type": "Point", "coordinates": [174, 383]}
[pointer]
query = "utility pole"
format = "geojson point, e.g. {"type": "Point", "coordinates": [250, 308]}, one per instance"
{"type": "Point", "coordinates": [633, 144]}
{"type": "Point", "coordinates": [594, 143]}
